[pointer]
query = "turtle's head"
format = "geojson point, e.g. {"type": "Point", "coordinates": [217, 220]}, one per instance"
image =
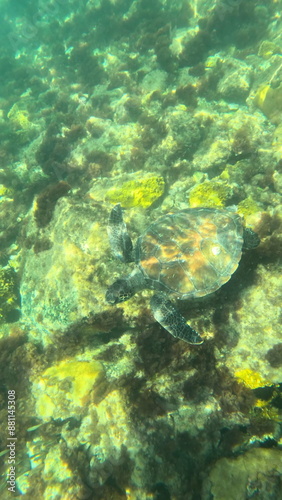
{"type": "Point", "coordinates": [119, 291]}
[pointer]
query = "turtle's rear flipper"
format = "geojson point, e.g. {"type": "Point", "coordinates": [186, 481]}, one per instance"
{"type": "Point", "coordinates": [171, 319]}
{"type": "Point", "coordinates": [120, 241]}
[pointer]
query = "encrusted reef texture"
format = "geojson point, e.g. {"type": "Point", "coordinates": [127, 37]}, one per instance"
{"type": "Point", "coordinates": [159, 106]}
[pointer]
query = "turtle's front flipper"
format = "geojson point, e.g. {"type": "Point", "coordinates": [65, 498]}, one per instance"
{"type": "Point", "coordinates": [120, 241]}
{"type": "Point", "coordinates": [250, 239]}
{"type": "Point", "coordinates": [171, 319]}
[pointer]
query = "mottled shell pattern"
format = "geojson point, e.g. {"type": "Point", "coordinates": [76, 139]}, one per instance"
{"type": "Point", "coordinates": [193, 252]}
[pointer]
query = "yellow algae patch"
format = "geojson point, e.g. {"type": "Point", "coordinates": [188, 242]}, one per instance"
{"type": "Point", "coordinates": [45, 406]}
{"type": "Point", "coordinates": [138, 192]}
{"type": "Point", "coordinates": [81, 373]}
{"type": "Point", "coordinates": [269, 101]}
{"type": "Point", "coordinates": [19, 118]}
{"type": "Point", "coordinates": [209, 194]}
{"type": "Point", "coordinates": [64, 388]}
{"type": "Point", "coordinates": [5, 192]}
{"type": "Point", "coordinates": [248, 207]}
{"type": "Point", "coordinates": [252, 379]}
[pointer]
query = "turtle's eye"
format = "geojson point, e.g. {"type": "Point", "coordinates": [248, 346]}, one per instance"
{"type": "Point", "coordinates": [118, 292]}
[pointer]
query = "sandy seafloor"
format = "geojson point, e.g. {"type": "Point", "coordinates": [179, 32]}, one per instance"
{"type": "Point", "coordinates": [159, 106]}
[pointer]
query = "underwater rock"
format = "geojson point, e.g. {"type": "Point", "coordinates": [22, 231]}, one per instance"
{"type": "Point", "coordinates": [5, 193]}
{"type": "Point", "coordinates": [213, 156]}
{"type": "Point", "coordinates": [97, 126]}
{"type": "Point", "coordinates": [234, 86]}
{"type": "Point", "coordinates": [64, 283]}
{"type": "Point", "coordinates": [255, 474]}
{"type": "Point", "coordinates": [184, 134]}
{"type": "Point", "coordinates": [232, 137]}
{"type": "Point", "coordinates": [154, 80]}
{"type": "Point", "coordinates": [115, 433]}
{"type": "Point", "coordinates": [257, 332]}
{"type": "Point", "coordinates": [24, 126]}
{"type": "Point", "coordinates": [268, 48]}
{"type": "Point", "coordinates": [63, 390]}
{"type": "Point", "coordinates": [108, 428]}
{"type": "Point", "coordinates": [277, 147]}
{"type": "Point", "coordinates": [60, 480]}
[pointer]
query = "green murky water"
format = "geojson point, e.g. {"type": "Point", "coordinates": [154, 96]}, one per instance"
{"type": "Point", "coordinates": [158, 106]}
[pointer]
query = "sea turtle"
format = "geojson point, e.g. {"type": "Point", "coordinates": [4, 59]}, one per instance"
{"type": "Point", "coordinates": [190, 253]}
